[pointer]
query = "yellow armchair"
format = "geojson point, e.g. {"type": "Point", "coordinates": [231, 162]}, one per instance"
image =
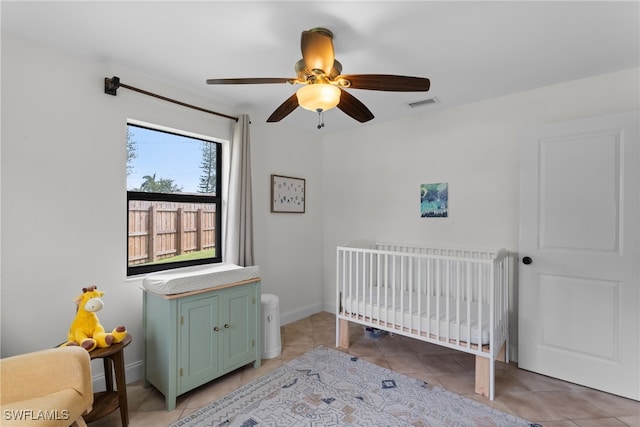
{"type": "Point", "coordinates": [46, 388]}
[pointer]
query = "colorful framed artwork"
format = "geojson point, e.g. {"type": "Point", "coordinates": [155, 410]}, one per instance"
{"type": "Point", "coordinates": [287, 194]}
{"type": "Point", "coordinates": [434, 200]}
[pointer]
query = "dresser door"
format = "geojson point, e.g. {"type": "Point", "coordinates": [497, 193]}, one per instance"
{"type": "Point", "coordinates": [239, 311]}
{"type": "Point", "coordinates": [199, 332]}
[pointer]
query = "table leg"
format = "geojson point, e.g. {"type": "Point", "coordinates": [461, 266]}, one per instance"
{"type": "Point", "coordinates": [118, 361]}
{"type": "Point", "coordinates": [108, 374]}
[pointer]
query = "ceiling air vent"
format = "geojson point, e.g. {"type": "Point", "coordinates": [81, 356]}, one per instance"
{"type": "Point", "coordinates": [424, 102]}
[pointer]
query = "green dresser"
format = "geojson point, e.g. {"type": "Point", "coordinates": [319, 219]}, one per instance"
{"type": "Point", "coordinates": [195, 337]}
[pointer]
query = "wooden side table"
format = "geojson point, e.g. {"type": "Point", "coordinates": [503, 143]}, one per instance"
{"type": "Point", "coordinates": [105, 402]}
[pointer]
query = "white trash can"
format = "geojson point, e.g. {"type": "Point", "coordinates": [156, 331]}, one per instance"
{"type": "Point", "coordinates": [271, 345]}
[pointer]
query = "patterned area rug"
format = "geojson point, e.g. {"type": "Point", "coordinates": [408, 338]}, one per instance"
{"type": "Point", "coordinates": [326, 387]}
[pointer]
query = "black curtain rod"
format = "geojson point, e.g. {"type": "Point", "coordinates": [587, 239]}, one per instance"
{"type": "Point", "coordinates": [112, 84]}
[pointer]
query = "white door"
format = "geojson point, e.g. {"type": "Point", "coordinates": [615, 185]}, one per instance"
{"type": "Point", "coordinates": [579, 279]}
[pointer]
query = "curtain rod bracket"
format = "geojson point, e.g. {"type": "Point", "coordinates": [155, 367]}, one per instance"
{"type": "Point", "coordinates": [111, 85]}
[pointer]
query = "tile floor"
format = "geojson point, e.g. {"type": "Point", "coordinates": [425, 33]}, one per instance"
{"type": "Point", "coordinates": [537, 398]}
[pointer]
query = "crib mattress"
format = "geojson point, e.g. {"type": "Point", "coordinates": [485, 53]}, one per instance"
{"type": "Point", "coordinates": [197, 278]}
{"type": "Point", "coordinates": [430, 319]}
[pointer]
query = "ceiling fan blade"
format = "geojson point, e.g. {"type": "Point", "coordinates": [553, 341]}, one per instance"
{"type": "Point", "coordinates": [248, 81]}
{"type": "Point", "coordinates": [284, 109]}
{"type": "Point", "coordinates": [387, 82]}
{"type": "Point", "coordinates": [317, 49]}
{"type": "Point", "coordinates": [354, 108]}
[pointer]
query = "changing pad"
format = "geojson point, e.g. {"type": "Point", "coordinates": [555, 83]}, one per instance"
{"type": "Point", "coordinates": [196, 278]}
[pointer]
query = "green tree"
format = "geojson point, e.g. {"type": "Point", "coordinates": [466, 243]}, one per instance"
{"type": "Point", "coordinates": [208, 166]}
{"type": "Point", "coordinates": [162, 185]}
{"type": "Point", "coordinates": [131, 151]}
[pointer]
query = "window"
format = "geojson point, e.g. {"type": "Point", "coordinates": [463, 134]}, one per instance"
{"type": "Point", "coordinates": [173, 200]}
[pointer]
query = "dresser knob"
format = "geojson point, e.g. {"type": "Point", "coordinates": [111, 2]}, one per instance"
{"type": "Point", "coordinates": [226, 325]}
{"type": "Point", "coordinates": [216, 329]}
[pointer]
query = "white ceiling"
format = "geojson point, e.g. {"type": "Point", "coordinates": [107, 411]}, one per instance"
{"type": "Point", "coordinates": [469, 50]}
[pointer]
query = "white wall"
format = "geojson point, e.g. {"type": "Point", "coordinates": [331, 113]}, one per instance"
{"type": "Point", "coordinates": [372, 175]}
{"type": "Point", "coordinates": [288, 245]}
{"type": "Point", "coordinates": [64, 196]}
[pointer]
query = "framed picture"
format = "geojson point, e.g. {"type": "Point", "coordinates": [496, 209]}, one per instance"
{"type": "Point", "coordinates": [434, 200]}
{"type": "Point", "coordinates": [287, 194]}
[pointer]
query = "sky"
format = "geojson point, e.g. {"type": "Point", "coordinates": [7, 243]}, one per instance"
{"type": "Point", "coordinates": [167, 155]}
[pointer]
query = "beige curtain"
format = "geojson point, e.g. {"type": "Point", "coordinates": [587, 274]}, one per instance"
{"type": "Point", "coordinates": [238, 248]}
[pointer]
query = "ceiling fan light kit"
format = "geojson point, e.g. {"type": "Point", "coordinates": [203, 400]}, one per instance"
{"type": "Point", "coordinates": [323, 85]}
{"type": "Point", "coordinates": [318, 97]}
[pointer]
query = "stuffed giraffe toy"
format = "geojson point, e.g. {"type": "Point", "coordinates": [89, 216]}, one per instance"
{"type": "Point", "coordinates": [86, 330]}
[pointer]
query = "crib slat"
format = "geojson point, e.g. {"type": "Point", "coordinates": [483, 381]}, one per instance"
{"type": "Point", "coordinates": [401, 290]}
{"type": "Point", "coordinates": [386, 285]}
{"type": "Point", "coordinates": [469, 299]}
{"type": "Point", "coordinates": [370, 283]}
{"type": "Point", "coordinates": [447, 285]}
{"type": "Point", "coordinates": [458, 296]}
{"type": "Point", "coordinates": [429, 295]}
{"type": "Point", "coordinates": [354, 303]}
{"type": "Point", "coordinates": [438, 295]}
{"type": "Point", "coordinates": [480, 297]}
{"type": "Point", "coordinates": [419, 288]}
{"type": "Point", "coordinates": [491, 278]}
{"type": "Point", "coordinates": [356, 277]}
{"type": "Point", "coordinates": [409, 286]}
{"type": "Point", "coordinates": [379, 282]}
{"type": "Point", "coordinates": [394, 261]}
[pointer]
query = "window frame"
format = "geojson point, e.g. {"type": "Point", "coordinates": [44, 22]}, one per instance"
{"type": "Point", "coordinates": [180, 198]}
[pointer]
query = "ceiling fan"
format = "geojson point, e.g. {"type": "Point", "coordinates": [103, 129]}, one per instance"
{"type": "Point", "coordinates": [323, 85]}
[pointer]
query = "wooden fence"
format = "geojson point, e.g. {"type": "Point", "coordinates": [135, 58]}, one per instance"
{"type": "Point", "coordinates": [159, 230]}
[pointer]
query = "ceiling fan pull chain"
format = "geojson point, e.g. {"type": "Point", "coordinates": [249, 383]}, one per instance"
{"type": "Point", "coordinates": [320, 118]}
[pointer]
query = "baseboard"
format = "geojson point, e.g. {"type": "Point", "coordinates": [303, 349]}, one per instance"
{"type": "Point", "coordinates": [329, 307]}
{"type": "Point", "coordinates": [133, 372]}
{"type": "Point", "coordinates": [294, 316]}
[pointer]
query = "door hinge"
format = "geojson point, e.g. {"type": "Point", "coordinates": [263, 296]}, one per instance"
{"type": "Point", "coordinates": [182, 320]}
{"type": "Point", "coordinates": [180, 371]}
{"type": "Point", "coordinates": [253, 300]}
{"type": "Point", "coordinates": [253, 343]}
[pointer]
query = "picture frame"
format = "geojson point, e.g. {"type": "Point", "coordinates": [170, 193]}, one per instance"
{"type": "Point", "coordinates": [434, 200]}
{"type": "Point", "coordinates": [288, 194]}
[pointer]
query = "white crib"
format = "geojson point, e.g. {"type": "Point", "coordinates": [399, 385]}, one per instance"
{"type": "Point", "coordinates": [457, 298]}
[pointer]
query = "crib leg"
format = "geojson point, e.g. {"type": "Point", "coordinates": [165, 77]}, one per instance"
{"type": "Point", "coordinates": [343, 333]}
{"type": "Point", "coordinates": [482, 375]}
